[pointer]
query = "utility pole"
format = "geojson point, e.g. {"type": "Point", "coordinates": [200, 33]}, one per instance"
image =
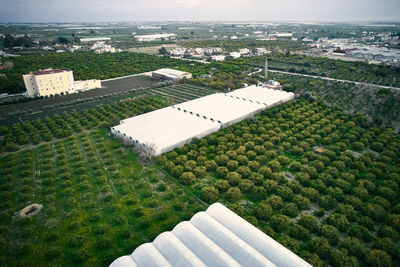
{"type": "Point", "coordinates": [266, 69]}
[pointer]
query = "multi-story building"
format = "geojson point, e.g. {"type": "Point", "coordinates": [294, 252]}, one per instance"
{"type": "Point", "coordinates": [49, 82]}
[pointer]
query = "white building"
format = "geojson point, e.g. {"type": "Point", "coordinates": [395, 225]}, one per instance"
{"type": "Point", "coordinates": [233, 37]}
{"type": "Point", "coordinates": [165, 129]}
{"type": "Point", "coordinates": [178, 52]}
{"type": "Point", "coordinates": [162, 130]}
{"type": "Point", "coordinates": [260, 51]}
{"type": "Point", "coordinates": [235, 54]}
{"type": "Point", "coordinates": [80, 86]}
{"type": "Point", "coordinates": [218, 57]}
{"type": "Point", "coordinates": [101, 47]}
{"type": "Point", "coordinates": [95, 39]}
{"type": "Point", "coordinates": [149, 27]}
{"type": "Point", "coordinates": [49, 82]}
{"type": "Point", "coordinates": [171, 74]}
{"type": "Point", "coordinates": [216, 237]}
{"type": "Point", "coordinates": [155, 37]}
{"type": "Point", "coordinates": [244, 51]}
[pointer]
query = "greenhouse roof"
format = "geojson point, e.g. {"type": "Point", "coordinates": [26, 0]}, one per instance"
{"type": "Point", "coordinates": [217, 237]}
{"type": "Point", "coordinates": [268, 97]}
{"type": "Point", "coordinates": [221, 108]}
{"type": "Point", "coordinates": [164, 129]}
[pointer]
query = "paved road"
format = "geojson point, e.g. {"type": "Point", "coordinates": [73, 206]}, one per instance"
{"type": "Point", "coordinates": [333, 79]}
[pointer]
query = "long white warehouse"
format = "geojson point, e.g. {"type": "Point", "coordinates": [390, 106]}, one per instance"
{"type": "Point", "coordinates": [217, 237]}
{"type": "Point", "coordinates": [163, 130]}
{"type": "Point", "coordinates": [268, 97]}
{"type": "Point", "coordinates": [218, 107]}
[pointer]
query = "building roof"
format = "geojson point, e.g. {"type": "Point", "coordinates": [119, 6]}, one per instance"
{"type": "Point", "coordinates": [171, 72]}
{"type": "Point", "coordinates": [49, 71]}
{"type": "Point", "coordinates": [268, 97]}
{"type": "Point", "coordinates": [164, 129]}
{"type": "Point", "coordinates": [216, 237]}
{"type": "Point", "coordinates": [221, 108]}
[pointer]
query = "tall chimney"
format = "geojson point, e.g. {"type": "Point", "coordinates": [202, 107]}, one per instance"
{"type": "Point", "coordinates": [266, 69]}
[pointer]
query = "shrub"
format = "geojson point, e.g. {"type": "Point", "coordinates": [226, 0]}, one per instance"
{"type": "Point", "coordinates": [209, 194]}
{"type": "Point", "coordinates": [378, 257]}
{"type": "Point", "coordinates": [221, 172]}
{"type": "Point", "coordinates": [331, 234]}
{"type": "Point", "coordinates": [290, 209]}
{"type": "Point", "coordinates": [320, 245]}
{"type": "Point", "coordinates": [187, 178]}
{"type": "Point", "coordinates": [262, 211]}
{"type": "Point", "coordinates": [222, 185]}
{"type": "Point", "coordinates": [279, 222]}
{"type": "Point", "coordinates": [233, 194]}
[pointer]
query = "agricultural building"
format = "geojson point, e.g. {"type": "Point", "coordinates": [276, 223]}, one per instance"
{"type": "Point", "coordinates": [220, 108]}
{"type": "Point", "coordinates": [268, 97]}
{"type": "Point", "coordinates": [216, 237]}
{"type": "Point", "coordinates": [170, 74]}
{"type": "Point", "coordinates": [162, 130]}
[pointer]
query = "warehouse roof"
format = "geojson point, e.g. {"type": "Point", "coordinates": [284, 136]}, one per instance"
{"type": "Point", "coordinates": [171, 127]}
{"type": "Point", "coordinates": [164, 129]}
{"type": "Point", "coordinates": [171, 72]}
{"type": "Point", "coordinates": [221, 108]}
{"type": "Point", "coordinates": [217, 237]}
{"type": "Point", "coordinates": [268, 97]}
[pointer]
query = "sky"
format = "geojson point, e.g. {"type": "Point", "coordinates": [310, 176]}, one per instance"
{"type": "Point", "coordinates": [198, 10]}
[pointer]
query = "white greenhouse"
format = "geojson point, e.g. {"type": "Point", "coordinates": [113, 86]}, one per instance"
{"type": "Point", "coordinates": [217, 237]}
{"type": "Point", "coordinates": [162, 130]}
{"type": "Point", "coordinates": [221, 108]}
{"type": "Point", "coordinates": [268, 97]}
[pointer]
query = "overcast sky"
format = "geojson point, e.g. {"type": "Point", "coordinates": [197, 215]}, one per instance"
{"type": "Point", "coordinates": [197, 10]}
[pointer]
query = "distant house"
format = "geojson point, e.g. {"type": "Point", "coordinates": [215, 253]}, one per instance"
{"type": "Point", "coordinates": [339, 52]}
{"type": "Point", "coordinates": [154, 37]}
{"type": "Point", "coordinates": [95, 39]}
{"type": "Point", "coordinates": [218, 57]}
{"type": "Point", "coordinates": [170, 74]}
{"type": "Point", "coordinates": [235, 54]}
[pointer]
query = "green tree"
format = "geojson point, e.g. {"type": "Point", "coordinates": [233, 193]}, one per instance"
{"type": "Point", "coordinates": [209, 194]}
{"type": "Point", "coordinates": [263, 211]}
{"type": "Point", "coordinates": [378, 257]}
{"type": "Point", "coordinates": [233, 194]}
{"type": "Point", "coordinates": [163, 51]}
{"type": "Point", "coordinates": [279, 222]}
{"type": "Point", "coordinates": [331, 234]}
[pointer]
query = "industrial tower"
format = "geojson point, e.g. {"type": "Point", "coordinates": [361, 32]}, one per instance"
{"type": "Point", "coordinates": [266, 68]}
